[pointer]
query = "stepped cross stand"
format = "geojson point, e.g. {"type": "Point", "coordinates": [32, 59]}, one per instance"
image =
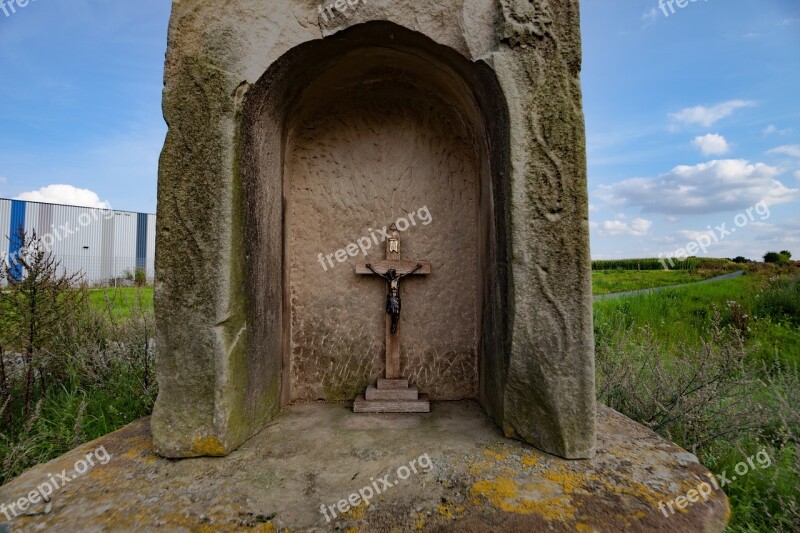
{"type": "Point", "coordinates": [393, 393]}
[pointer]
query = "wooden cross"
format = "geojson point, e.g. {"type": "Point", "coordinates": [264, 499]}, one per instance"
{"type": "Point", "coordinates": [403, 267]}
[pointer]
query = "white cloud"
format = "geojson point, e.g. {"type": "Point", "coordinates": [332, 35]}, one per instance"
{"type": "Point", "coordinates": [593, 208]}
{"type": "Point", "coordinates": [792, 150]}
{"type": "Point", "coordinates": [707, 116]}
{"type": "Point", "coordinates": [773, 129]}
{"type": "Point", "coordinates": [695, 235]}
{"type": "Point", "coordinates": [3, 180]}
{"type": "Point", "coordinates": [797, 174]}
{"type": "Point", "coordinates": [713, 187]}
{"type": "Point", "coordinates": [672, 220]}
{"type": "Point", "coordinates": [65, 194]}
{"type": "Point", "coordinates": [711, 144]}
{"type": "Point", "coordinates": [615, 228]}
{"type": "Point", "coordinates": [750, 35]}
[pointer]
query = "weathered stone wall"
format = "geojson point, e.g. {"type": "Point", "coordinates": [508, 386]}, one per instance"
{"type": "Point", "coordinates": [376, 142]}
{"type": "Point", "coordinates": [233, 76]}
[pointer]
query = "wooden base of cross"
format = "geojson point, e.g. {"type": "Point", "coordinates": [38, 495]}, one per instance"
{"type": "Point", "coordinates": [393, 394]}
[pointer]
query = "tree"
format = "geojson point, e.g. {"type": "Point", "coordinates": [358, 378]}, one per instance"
{"type": "Point", "coordinates": [39, 300]}
{"type": "Point", "coordinates": [787, 253]}
{"type": "Point", "coordinates": [777, 258]}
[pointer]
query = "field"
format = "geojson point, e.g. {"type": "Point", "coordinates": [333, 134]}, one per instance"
{"type": "Point", "coordinates": [121, 301]}
{"type": "Point", "coordinates": [714, 367]}
{"type": "Point", "coordinates": [613, 281]}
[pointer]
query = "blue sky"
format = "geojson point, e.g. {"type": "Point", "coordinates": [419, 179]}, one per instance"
{"type": "Point", "coordinates": [693, 119]}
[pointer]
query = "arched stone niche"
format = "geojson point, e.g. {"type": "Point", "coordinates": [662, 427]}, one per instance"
{"type": "Point", "coordinates": [371, 132]}
{"type": "Point", "coordinates": [338, 137]}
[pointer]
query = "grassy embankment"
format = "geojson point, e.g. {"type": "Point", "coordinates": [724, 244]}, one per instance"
{"type": "Point", "coordinates": [714, 367]}
{"type": "Point", "coordinates": [92, 369]}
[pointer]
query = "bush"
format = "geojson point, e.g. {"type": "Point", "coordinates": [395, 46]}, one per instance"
{"type": "Point", "coordinates": [780, 301]}
{"type": "Point", "coordinates": [692, 396]}
{"type": "Point", "coordinates": [712, 401]}
{"type": "Point", "coordinates": [776, 258]}
{"type": "Point", "coordinates": [39, 299]}
{"type": "Point", "coordinates": [137, 277]}
{"type": "Point", "coordinates": [69, 372]}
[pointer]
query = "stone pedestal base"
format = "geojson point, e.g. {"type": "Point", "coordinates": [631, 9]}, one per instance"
{"type": "Point", "coordinates": [392, 396]}
{"type": "Point", "coordinates": [450, 470]}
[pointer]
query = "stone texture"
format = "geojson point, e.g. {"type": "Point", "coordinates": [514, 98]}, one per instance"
{"type": "Point", "coordinates": [318, 453]}
{"type": "Point", "coordinates": [359, 158]}
{"type": "Point", "coordinates": [374, 393]}
{"type": "Point", "coordinates": [493, 96]}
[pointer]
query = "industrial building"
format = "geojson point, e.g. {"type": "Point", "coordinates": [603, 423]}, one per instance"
{"type": "Point", "coordinates": [106, 246]}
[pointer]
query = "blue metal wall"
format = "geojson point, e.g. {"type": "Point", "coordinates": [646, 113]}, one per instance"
{"type": "Point", "coordinates": [141, 241]}
{"type": "Point", "coordinates": [15, 238]}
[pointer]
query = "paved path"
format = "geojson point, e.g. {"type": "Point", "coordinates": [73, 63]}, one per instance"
{"type": "Point", "coordinates": [657, 289]}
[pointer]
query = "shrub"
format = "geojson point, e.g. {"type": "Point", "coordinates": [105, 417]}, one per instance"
{"type": "Point", "coordinates": [780, 301]}
{"type": "Point", "coordinates": [712, 401]}
{"type": "Point", "coordinates": [69, 372]}
{"type": "Point", "coordinates": [40, 298]}
{"type": "Point", "coordinates": [776, 258]}
{"type": "Point", "coordinates": [692, 396]}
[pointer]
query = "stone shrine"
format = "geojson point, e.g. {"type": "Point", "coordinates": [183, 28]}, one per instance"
{"type": "Point", "coordinates": [297, 130]}
{"type": "Point", "coordinates": [292, 134]}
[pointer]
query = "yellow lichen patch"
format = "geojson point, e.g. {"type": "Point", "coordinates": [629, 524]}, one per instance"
{"type": "Point", "coordinates": [420, 522]}
{"type": "Point", "coordinates": [496, 455]}
{"type": "Point", "coordinates": [568, 481]}
{"type": "Point", "coordinates": [208, 446]}
{"type": "Point", "coordinates": [583, 528]}
{"type": "Point", "coordinates": [638, 490]}
{"type": "Point", "coordinates": [351, 530]}
{"type": "Point", "coordinates": [529, 460]}
{"type": "Point", "coordinates": [449, 512]}
{"type": "Point", "coordinates": [356, 513]}
{"type": "Point", "coordinates": [141, 450]}
{"type": "Point", "coordinates": [510, 497]}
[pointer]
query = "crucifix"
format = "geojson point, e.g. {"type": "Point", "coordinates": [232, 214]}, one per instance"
{"type": "Point", "coordinates": [393, 393]}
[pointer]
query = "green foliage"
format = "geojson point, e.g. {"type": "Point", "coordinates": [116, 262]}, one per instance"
{"type": "Point", "coordinates": [779, 301]}
{"type": "Point", "coordinates": [138, 277]}
{"type": "Point", "coordinates": [614, 281]}
{"type": "Point", "coordinates": [71, 370]}
{"type": "Point", "coordinates": [691, 263]}
{"type": "Point", "coordinates": [35, 307]}
{"type": "Point", "coordinates": [714, 367]}
{"type": "Point", "coordinates": [776, 258]}
{"type": "Point", "coordinates": [122, 302]}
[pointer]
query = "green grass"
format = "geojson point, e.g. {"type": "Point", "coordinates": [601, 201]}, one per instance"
{"type": "Point", "coordinates": [651, 263]}
{"type": "Point", "coordinates": [121, 300]}
{"type": "Point", "coordinates": [683, 314]}
{"type": "Point", "coordinates": [614, 281]}
{"type": "Point", "coordinates": [765, 310]}
{"type": "Point", "coordinates": [101, 374]}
